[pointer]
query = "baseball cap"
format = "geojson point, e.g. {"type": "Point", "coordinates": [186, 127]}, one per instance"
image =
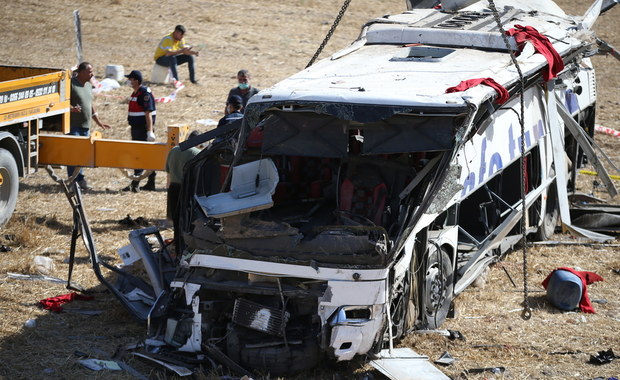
{"type": "Point", "coordinates": [235, 100]}
{"type": "Point", "coordinates": [135, 74]}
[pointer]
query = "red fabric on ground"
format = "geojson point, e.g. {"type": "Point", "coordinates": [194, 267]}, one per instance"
{"type": "Point", "coordinates": [586, 279]}
{"type": "Point", "coordinates": [502, 93]}
{"type": "Point", "coordinates": [542, 45]}
{"type": "Point", "coordinates": [55, 303]}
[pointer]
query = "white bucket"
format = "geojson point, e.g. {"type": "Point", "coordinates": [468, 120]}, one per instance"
{"type": "Point", "coordinates": [160, 74]}
{"type": "Point", "coordinates": [115, 72]}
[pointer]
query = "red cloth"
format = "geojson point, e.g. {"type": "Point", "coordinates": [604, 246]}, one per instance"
{"type": "Point", "coordinates": [502, 93]}
{"type": "Point", "coordinates": [542, 45]}
{"type": "Point", "coordinates": [587, 278]}
{"type": "Point", "coordinates": [55, 303]}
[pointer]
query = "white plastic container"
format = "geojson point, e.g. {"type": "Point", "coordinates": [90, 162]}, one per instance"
{"type": "Point", "coordinates": [160, 74]}
{"type": "Point", "coordinates": [116, 72]}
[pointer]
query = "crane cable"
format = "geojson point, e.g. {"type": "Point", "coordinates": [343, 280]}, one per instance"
{"type": "Point", "coordinates": [526, 314]}
{"type": "Point", "coordinates": [331, 31]}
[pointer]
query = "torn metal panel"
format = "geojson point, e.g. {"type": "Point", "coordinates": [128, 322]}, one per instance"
{"type": "Point", "coordinates": [582, 139]}
{"type": "Point", "coordinates": [560, 162]}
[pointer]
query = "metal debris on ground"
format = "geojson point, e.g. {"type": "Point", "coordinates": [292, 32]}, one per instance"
{"type": "Point", "coordinates": [455, 334]}
{"type": "Point", "coordinates": [100, 365]}
{"type": "Point", "coordinates": [406, 364]}
{"type": "Point", "coordinates": [179, 370]}
{"type": "Point", "coordinates": [38, 277]}
{"type": "Point", "coordinates": [445, 359]}
{"type": "Point", "coordinates": [493, 370]}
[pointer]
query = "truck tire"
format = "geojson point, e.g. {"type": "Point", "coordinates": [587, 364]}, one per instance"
{"type": "Point", "coordinates": [438, 288]}
{"type": "Point", "coordinates": [9, 185]}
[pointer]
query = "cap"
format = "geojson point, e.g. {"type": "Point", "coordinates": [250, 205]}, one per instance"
{"type": "Point", "coordinates": [180, 28]}
{"type": "Point", "coordinates": [135, 74]}
{"type": "Point", "coordinates": [235, 100]}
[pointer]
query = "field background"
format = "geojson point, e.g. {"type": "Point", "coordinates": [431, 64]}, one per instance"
{"type": "Point", "coordinates": [273, 40]}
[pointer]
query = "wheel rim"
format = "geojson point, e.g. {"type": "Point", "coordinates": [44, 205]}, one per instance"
{"type": "Point", "coordinates": [436, 288]}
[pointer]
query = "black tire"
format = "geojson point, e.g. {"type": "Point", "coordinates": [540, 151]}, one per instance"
{"type": "Point", "coordinates": [438, 288]}
{"type": "Point", "coordinates": [9, 185]}
{"type": "Point", "coordinates": [550, 215]}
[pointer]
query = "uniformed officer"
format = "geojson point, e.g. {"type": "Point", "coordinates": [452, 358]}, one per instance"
{"type": "Point", "coordinates": [141, 118]}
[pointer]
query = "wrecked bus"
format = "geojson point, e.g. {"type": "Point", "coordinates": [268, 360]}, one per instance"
{"type": "Point", "coordinates": [358, 197]}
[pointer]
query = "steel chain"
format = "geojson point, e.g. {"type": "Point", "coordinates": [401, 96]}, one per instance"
{"type": "Point", "coordinates": [343, 9]}
{"type": "Point", "coordinates": [527, 310]}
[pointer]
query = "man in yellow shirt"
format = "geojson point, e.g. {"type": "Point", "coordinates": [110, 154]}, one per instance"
{"type": "Point", "coordinates": [172, 51]}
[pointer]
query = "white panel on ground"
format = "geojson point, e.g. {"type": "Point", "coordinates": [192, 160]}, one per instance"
{"type": "Point", "coordinates": [406, 364]}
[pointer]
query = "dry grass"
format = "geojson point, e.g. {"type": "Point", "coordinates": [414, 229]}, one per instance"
{"type": "Point", "coordinates": [272, 40]}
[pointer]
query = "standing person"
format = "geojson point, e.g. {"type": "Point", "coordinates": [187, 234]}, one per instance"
{"type": "Point", "coordinates": [82, 111]}
{"type": "Point", "coordinates": [174, 167]}
{"type": "Point", "coordinates": [244, 89]}
{"type": "Point", "coordinates": [141, 118]}
{"type": "Point", "coordinates": [172, 51]}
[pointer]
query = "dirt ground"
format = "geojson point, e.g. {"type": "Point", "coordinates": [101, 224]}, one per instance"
{"type": "Point", "coordinates": [273, 40]}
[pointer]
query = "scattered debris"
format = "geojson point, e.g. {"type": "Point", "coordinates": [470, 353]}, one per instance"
{"type": "Point", "coordinates": [43, 264]}
{"type": "Point", "coordinates": [134, 223]}
{"type": "Point", "coordinates": [20, 276]}
{"type": "Point", "coordinates": [100, 365]}
{"type": "Point", "coordinates": [493, 370]}
{"type": "Point", "coordinates": [84, 311]}
{"type": "Point", "coordinates": [31, 323]}
{"type": "Point", "coordinates": [580, 243]}
{"type": "Point", "coordinates": [439, 332]}
{"type": "Point", "coordinates": [179, 370]}
{"type": "Point", "coordinates": [600, 301]}
{"type": "Point", "coordinates": [455, 334]}
{"type": "Point", "coordinates": [106, 209]}
{"type": "Point", "coordinates": [445, 359]}
{"type": "Point", "coordinates": [603, 357]}
{"type": "Point", "coordinates": [207, 122]}
{"type": "Point", "coordinates": [55, 303]}
{"type": "Point", "coordinates": [5, 248]}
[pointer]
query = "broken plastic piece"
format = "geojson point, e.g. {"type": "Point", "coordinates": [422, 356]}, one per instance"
{"type": "Point", "coordinates": [603, 357]}
{"type": "Point", "coordinates": [179, 370]}
{"type": "Point", "coordinates": [494, 370]}
{"type": "Point", "coordinates": [455, 334]}
{"type": "Point", "coordinates": [445, 359]}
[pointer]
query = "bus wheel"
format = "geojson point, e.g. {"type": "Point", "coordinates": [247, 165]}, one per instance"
{"type": "Point", "coordinates": [9, 185]}
{"type": "Point", "coordinates": [438, 288]}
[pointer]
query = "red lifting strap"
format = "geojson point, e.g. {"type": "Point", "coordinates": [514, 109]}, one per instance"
{"type": "Point", "coordinates": [542, 45]}
{"type": "Point", "coordinates": [502, 93]}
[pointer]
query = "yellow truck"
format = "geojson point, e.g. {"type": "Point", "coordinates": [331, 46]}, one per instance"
{"type": "Point", "coordinates": [35, 100]}
{"type": "Point", "coordinates": [32, 99]}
